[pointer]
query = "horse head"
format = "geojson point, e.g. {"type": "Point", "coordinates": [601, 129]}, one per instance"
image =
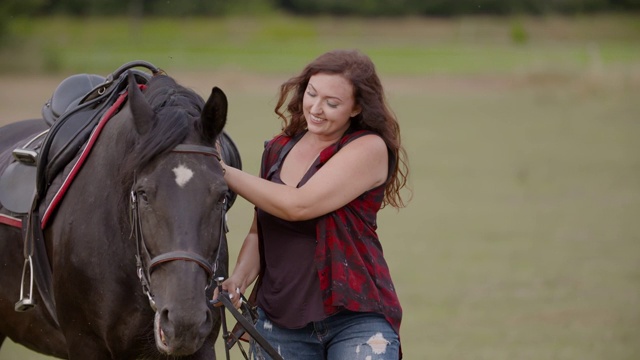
{"type": "Point", "coordinates": [178, 201]}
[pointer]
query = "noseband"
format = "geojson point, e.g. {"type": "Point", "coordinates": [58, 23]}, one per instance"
{"type": "Point", "coordinates": [144, 274]}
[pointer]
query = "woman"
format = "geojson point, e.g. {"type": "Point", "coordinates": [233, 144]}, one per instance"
{"type": "Point", "coordinates": [324, 288]}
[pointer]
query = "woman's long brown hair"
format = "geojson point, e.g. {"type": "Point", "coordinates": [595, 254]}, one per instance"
{"type": "Point", "coordinates": [376, 115]}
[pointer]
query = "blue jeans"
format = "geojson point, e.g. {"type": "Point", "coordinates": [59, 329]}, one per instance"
{"type": "Point", "coordinates": [345, 335]}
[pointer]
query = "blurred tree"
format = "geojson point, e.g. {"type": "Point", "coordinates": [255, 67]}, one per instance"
{"type": "Point", "coordinates": [310, 7]}
{"type": "Point", "coordinates": [207, 7]}
{"type": "Point", "coordinates": [451, 8]}
{"type": "Point", "coordinates": [11, 8]}
{"type": "Point", "coordinates": [625, 4]}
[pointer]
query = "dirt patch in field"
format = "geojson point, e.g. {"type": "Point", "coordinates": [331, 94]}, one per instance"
{"type": "Point", "coordinates": [22, 96]}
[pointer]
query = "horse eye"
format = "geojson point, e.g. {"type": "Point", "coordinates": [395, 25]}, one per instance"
{"type": "Point", "coordinates": [143, 196]}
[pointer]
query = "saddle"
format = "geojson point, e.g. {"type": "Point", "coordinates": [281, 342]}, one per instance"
{"type": "Point", "coordinates": [69, 94]}
{"type": "Point", "coordinates": [72, 112]}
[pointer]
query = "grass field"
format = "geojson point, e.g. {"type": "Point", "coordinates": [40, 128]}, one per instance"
{"type": "Point", "coordinates": [522, 240]}
{"type": "Point", "coordinates": [279, 44]}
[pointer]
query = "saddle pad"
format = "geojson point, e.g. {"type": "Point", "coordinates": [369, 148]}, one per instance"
{"type": "Point", "coordinates": [18, 183]}
{"type": "Point", "coordinates": [18, 187]}
{"type": "Point", "coordinates": [63, 180]}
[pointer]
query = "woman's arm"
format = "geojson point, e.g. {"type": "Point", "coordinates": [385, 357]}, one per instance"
{"type": "Point", "coordinates": [247, 266]}
{"type": "Point", "coordinates": [359, 166]}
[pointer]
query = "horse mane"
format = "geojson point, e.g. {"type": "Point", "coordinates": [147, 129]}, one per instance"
{"type": "Point", "coordinates": [176, 114]}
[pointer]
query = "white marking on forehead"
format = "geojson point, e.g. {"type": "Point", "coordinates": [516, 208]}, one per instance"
{"type": "Point", "coordinates": [378, 344]}
{"type": "Point", "coordinates": [183, 175]}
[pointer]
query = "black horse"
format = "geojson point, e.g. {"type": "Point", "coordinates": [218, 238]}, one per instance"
{"type": "Point", "coordinates": [136, 239]}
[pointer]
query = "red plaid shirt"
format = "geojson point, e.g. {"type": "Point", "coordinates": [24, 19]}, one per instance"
{"type": "Point", "coordinates": [352, 270]}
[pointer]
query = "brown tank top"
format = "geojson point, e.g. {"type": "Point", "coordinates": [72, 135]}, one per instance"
{"type": "Point", "coordinates": [290, 290]}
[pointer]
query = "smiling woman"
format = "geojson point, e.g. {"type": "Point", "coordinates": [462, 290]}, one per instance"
{"type": "Point", "coordinates": [313, 244]}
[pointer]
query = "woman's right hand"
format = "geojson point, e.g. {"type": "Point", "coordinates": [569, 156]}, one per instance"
{"type": "Point", "coordinates": [235, 290]}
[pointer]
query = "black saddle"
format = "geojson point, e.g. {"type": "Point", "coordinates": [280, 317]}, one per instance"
{"type": "Point", "coordinates": [74, 109]}
{"type": "Point", "coordinates": [69, 94]}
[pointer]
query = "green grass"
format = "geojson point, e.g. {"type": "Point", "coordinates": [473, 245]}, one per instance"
{"type": "Point", "coordinates": [280, 44]}
{"type": "Point", "coordinates": [522, 239]}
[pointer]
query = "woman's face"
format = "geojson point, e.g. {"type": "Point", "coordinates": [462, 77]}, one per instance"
{"type": "Point", "coordinates": [328, 105]}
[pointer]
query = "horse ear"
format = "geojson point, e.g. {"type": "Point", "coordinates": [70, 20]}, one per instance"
{"type": "Point", "coordinates": [214, 114]}
{"type": "Point", "coordinates": [140, 108]}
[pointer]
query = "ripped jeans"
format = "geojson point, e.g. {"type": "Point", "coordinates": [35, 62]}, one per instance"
{"type": "Point", "coordinates": [345, 335]}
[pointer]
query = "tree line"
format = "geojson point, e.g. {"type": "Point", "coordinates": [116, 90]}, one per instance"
{"type": "Point", "coordinates": [312, 7]}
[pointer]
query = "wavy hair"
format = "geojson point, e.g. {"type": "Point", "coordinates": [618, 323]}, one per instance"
{"type": "Point", "coordinates": [376, 115]}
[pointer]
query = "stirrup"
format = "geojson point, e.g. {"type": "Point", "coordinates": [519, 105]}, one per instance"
{"type": "Point", "coordinates": [26, 302]}
{"type": "Point", "coordinates": [26, 155]}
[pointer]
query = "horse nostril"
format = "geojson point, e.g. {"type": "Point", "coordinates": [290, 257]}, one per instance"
{"type": "Point", "coordinates": [165, 326]}
{"type": "Point", "coordinates": [164, 316]}
{"type": "Point", "coordinates": [207, 324]}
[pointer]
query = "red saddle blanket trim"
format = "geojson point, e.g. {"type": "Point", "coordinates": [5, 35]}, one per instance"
{"type": "Point", "coordinates": [10, 220]}
{"type": "Point", "coordinates": [57, 198]}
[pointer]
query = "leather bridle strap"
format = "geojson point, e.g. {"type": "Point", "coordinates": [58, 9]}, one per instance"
{"type": "Point", "coordinates": [197, 149]}
{"type": "Point", "coordinates": [181, 255]}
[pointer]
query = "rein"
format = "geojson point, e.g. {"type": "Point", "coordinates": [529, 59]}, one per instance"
{"type": "Point", "coordinates": [142, 253]}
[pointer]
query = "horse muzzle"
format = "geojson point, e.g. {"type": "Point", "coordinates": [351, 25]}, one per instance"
{"type": "Point", "coordinates": [181, 332]}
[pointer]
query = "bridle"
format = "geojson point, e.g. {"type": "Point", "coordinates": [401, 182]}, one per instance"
{"type": "Point", "coordinates": [142, 253]}
{"type": "Point", "coordinates": [144, 274]}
